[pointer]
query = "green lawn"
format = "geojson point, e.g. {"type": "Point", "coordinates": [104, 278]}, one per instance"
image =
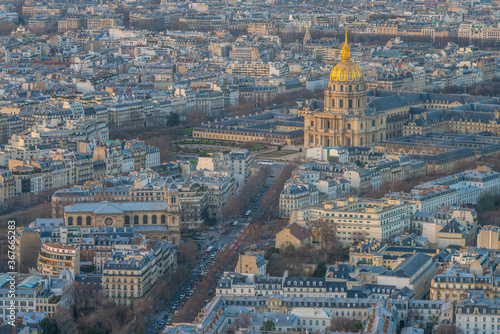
{"type": "Point", "coordinates": [257, 147]}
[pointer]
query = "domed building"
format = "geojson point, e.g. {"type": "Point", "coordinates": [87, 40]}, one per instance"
{"type": "Point", "coordinates": [345, 120]}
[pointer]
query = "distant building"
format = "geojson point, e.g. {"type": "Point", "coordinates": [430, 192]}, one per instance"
{"type": "Point", "coordinates": [251, 263]}
{"type": "Point", "coordinates": [489, 237]}
{"type": "Point", "coordinates": [55, 257]}
{"type": "Point", "coordinates": [416, 272]}
{"type": "Point", "coordinates": [159, 220]}
{"type": "Point", "coordinates": [478, 316]}
{"type": "Point", "coordinates": [335, 154]}
{"type": "Point", "coordinates": [132, 271]}
{"type": "Point", "coordinates": [294, 235]}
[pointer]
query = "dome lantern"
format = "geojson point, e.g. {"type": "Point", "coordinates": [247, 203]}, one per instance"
{"type": "Point", "coordinates": [346, 69]}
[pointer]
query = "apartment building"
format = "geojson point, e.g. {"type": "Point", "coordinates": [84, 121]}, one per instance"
{"type": "Point", "coordinates": [27, 246]}
{"type": "Point", "coordinates": [296, 196]}
{"type": "Point", "coordinates": [489, 237]}
{"type": "Point", "coordinates": [55, 257]}
{"type": "Point", "coordinates": [357, 219]}
{"type": "Point", "coordinates": [133, 271]}
{"type": "Point", "coordinates": [71, 23]}
{"type": "Point", "coordinates": [42, 23]}
{"type": "Point", "coordinates": [415, 272]}
{"type": "Point", "coordinates": [377, 254]}
{"type": "Point", "coordinates": [456, 284]}
{"type": "Point", "coordinates": [126, 114]}
{"type": "Point", "coordinates": [215, 161]}
{"type": "Point", "coordinates": [104, 21]}
{"type": "Point", "coordinates": [7, 185]}
{"type": "Point", "coordinates": [251, 263]}
{"type": "Point", "coordinates": [79, 166]}
{"type": "Point", "coordinates": [112, 156]}
{"type": "Point", "coordinates": [26, 287]}
{"type": "Point", "coordinates": [242, 166]}
{"type": "Point", "coordinates": [293, 235]}
{"type": "Point", "coordinates": [219, 187]}
{"type": "Point", "coordinates": [478, 316]}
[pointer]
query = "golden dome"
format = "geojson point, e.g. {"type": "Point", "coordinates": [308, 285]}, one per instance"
{"type": "Point", "coordinates": [346, 70]}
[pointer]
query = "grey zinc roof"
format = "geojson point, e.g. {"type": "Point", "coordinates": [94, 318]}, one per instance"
{"type": "Point", "coordinates": [389, 102]}
{"type": "Point", "coordinates": [107, 207]}
{"type": "Point", "coordinates": [410, 266]}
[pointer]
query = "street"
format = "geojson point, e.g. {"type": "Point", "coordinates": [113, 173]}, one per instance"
{"type": "Point", "coordinates": [219, 240]}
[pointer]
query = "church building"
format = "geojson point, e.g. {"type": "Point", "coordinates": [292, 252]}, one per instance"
{"type": "Point", "coordinates": [345, 119]}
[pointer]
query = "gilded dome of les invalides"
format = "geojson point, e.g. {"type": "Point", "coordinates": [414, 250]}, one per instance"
{"type": "Point", "coordinates": [346, 70]}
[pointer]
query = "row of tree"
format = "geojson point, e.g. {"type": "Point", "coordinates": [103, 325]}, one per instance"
{"type": "Point", "coordinates": [235, 205]}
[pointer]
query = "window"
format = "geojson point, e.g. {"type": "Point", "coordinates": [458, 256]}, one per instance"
{"type": "Point", "coordinates": [79, 221]}
{"type": "Point", "coordinates": [341, 103]}
{"type": "Point", "coordinates": [70, 220]}
{"type": "Point", "coordinates": [163, 219]}
{"type": "Point", "coordinates": [312, 123]}
{"type": "Point", "coordinates": [349, 126]}
{"type": "Point", "coordinates": [349, 103]}
{"type": "Point", "coordinates": [333, 103]}
{"type": "Point", "coordinates": [341, 88]}
{"type": "Point", "coordinates": [136, 220]}
{"type": "Point", "coordinates": [373, 122]}
{"type": "Point", "coordinates": [350, 88]}
{"type": "Point", "coordinates": [88, 221]}
{"type": "Point", "coordinates": [153, 219]}
{"type": "Point", "coordinates": [359, 103]}
{"type": "Point", "coordinates": [127, 220]}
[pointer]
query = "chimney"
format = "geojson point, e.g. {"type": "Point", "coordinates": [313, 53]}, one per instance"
{"type": "Point", "coordinates": [497, 114]}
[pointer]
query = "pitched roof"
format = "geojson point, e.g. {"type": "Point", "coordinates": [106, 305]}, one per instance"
{"type": "Point", "coordinates": [298, 231]}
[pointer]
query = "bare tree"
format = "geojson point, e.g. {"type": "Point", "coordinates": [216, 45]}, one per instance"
{"type": "Point", "coordinates": [196, 117]}
{"type": "Point", "coordinates": [232, 208]}
{"type": "Point", "coordinates": [447, 329]}
{"type": "Point", "coordinates": [242, 109]}
{"type": "Point", "coordinates": [338, 324]}
{"type": "Point", "coordinates": [243, 320]}
{"type": "Point", "coordinates": [189, 251]}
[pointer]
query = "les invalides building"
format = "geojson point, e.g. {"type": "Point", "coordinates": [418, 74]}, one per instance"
{"type": "Point", "coordinates": [345, 119]}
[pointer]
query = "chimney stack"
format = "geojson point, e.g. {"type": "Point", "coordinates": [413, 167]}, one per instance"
{"type": "Point", "coordinates": [497, 114]}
